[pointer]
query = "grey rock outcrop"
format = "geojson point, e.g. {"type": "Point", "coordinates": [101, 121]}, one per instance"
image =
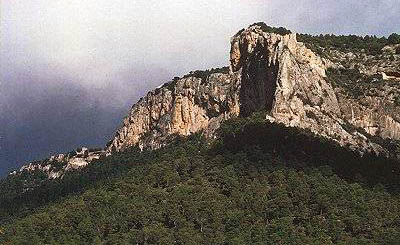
{"type": "Point", "coordinates": [56, 166]}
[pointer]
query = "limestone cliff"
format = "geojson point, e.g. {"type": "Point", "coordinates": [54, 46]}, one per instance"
{"type": "Point", "coordinates": [182, 107]}
{"type": "Point", "coordinates": [288, 80]}
{"type": "Point", "coordinates": [371, 98]}
{"type": "Point", "coordinates": [269, 72]}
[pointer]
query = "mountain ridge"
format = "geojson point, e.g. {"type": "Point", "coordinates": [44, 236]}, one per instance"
{"type": "Point", "coordinates": [270, 70]}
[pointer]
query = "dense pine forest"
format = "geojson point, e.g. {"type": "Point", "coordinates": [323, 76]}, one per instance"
{"type": "Point", "coordinates": [258, 183]}
{"type": "Point", "coordinates": [371, 45]}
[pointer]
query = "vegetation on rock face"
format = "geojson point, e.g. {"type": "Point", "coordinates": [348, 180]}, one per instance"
{"type": "Point", "coordinates": [358, 85]}
{"type": "Point", "coordinates": [203, 75]}
{"type": "Point", "coordinates": [346, 43]}
{"type": "Point", "coordinates": [258, 183]}
{"type": "Point", "coordinates": [398, 50]}
{"type": "Point", "coordinates": [270, 29]}
{"type": "Point", "coordinates": [355, 83]}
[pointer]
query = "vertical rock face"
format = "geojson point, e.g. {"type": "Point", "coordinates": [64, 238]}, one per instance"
{"type": "Point", "coordinates": [251, 53]}
{"type": "Point", "coordinates": [283, 77]}
{"type": "Point", "coordinates": [375, 114]}
{"type": "Point", "coordinates": [278, 71]}
{"type": "Point", "coordinates": [367, 87]}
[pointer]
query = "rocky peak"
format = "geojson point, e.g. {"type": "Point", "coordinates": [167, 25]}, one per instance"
{"type": "Point", "coordinates": [288, 80]}
{"type": "Point", "coordinates": [264, 58]}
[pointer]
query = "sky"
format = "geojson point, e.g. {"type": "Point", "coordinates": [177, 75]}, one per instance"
{"type": "Point", "coordinates": [71, 69]}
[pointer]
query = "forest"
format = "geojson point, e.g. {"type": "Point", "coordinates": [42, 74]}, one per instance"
{"type": "Point", "coordinates": [258, 183]}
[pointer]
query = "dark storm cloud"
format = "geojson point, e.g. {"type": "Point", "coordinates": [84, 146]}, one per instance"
{"type": "Point", "coordinates": [70, 70]}
{"type": "Point", "coordinates": [37, 120]}
{"type": "Point", "coordinates": [43, 115]}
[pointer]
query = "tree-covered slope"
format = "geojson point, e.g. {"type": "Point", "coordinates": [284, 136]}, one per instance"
{"type": "Point", "coordinates": [259, 183]}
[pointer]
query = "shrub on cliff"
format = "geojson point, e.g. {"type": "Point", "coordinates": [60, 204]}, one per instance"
{"type": "Point", "coordinates": [267, 28]}
{"type": "Point", "coordinates": [353, 82]}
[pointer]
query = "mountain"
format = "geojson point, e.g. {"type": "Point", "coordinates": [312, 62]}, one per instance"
{"type": "Point", "coordinates": [297, 141]}
{"type": "Point", "coordinates": [270, 72]}
{"type": "Point", "coordinates": [337, 92]}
